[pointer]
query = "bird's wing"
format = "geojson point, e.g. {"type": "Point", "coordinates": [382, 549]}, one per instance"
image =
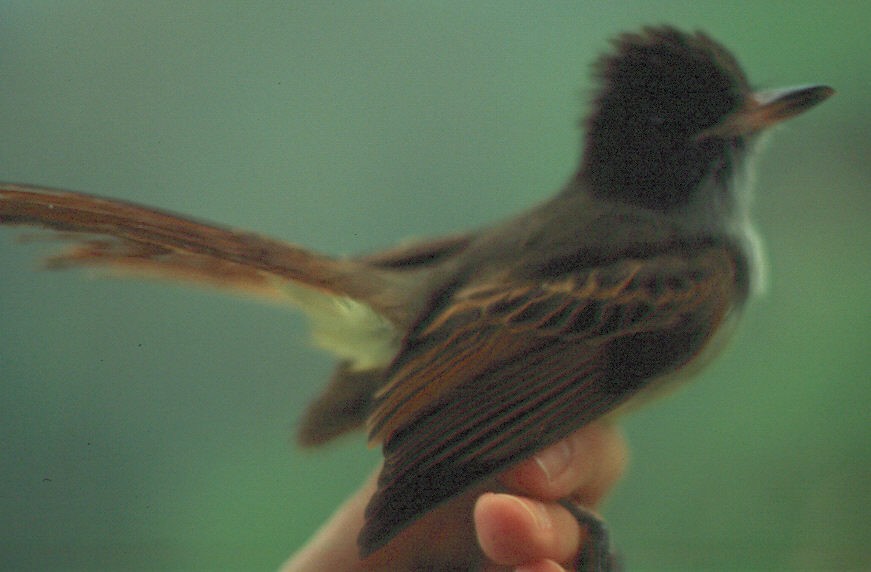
{"type": "Point", "coordinates": [501, 371]}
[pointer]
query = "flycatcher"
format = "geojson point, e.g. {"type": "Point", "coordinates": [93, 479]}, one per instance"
{"type": "Point", "coordinates": [467, 354]}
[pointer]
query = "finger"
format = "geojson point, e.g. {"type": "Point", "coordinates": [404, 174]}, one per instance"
{"type": "Point", "coordinates": [585, 465]}
{"type": "Point", "coordinates": [541, 566]}
{"type": "Point", "coordinates": [334, 546]}
{"type": "Point", "coordinates": [514, 530]}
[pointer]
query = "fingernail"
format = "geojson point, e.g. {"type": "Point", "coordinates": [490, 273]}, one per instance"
{"type": "Point", "coordinates": [555, 459]}
{"type": "Point", "coordinates": [537, 510]}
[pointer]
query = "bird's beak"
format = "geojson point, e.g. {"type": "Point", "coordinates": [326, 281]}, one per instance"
{"type": "Point", "coordinates": [766, 108]}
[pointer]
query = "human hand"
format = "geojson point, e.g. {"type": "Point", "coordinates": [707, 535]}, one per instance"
{"type": "Point", "coordinates": [512, 522]}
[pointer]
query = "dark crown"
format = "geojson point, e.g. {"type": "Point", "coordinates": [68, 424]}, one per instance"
{"type": "Point", "coordinates": [659, 89]}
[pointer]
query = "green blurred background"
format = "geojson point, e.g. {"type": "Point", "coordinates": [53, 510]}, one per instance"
{"type": "Point", "coordinates": [148, 427]}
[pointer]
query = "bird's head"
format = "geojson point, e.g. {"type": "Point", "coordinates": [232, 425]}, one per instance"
{"type": "Point", "coordinates": [674, 113]}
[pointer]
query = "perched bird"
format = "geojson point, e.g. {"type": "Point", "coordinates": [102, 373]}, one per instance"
{"type": "Point", "coordinates": [467, 354]}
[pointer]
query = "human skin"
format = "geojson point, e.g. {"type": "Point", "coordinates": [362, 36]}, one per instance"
{"type": "Point", "coordinates": [510, 523]}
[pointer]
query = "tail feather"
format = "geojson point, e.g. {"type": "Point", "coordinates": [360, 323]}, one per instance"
{"type": "Point", "coordinates": [133, 239]}
{"type": "Point", "coordinates": [355, 307]}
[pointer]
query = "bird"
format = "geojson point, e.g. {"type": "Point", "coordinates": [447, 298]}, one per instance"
{"type": "Point", "coordinates": [465, 354]}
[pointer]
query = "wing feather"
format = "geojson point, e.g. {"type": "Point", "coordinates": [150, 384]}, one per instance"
{"type": "Point", "coordinates": [537, 361]}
